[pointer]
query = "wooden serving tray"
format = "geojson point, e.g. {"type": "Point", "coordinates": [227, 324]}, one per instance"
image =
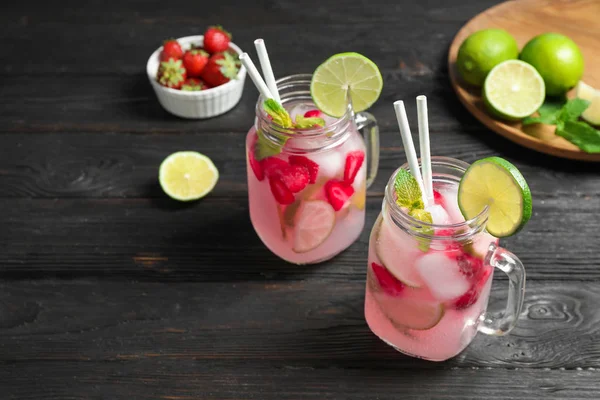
{"type": "Point", "coordinates": [524, 19]}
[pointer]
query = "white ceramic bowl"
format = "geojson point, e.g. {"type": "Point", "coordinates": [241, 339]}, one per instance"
{"type": "Point", "coordinates": [203, 104]}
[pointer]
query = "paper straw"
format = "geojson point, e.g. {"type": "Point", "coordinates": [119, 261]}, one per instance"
{"type": "Point", "coordinates": [267, 70]}
{"type": "Point", "coordinates": [255, 76]}
{"type": "Point", "coordinates": [424, 147]}
{"type": "Point", "coordinates": [407, 142]}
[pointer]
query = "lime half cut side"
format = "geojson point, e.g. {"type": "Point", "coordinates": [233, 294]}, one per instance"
{"type": "Point", "coordinates": [187, 175]}
{"type": "Point", "coordinates": [497, 184]}
{"type": "Point", "coordinates": [513, 90]}
{"type": "Point", "coordinates": [342, 75]}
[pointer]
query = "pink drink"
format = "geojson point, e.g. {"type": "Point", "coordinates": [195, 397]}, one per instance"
{"type": "Point", "coordinates": [307, 200]}
{"type": "Point", "coordinates": [426, 294]}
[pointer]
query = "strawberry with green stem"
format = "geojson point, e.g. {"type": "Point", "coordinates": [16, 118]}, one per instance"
{"type": "Point", "coordinates": [216, 39]}
{"type": "Point", "coordinates": [220, 69]}
{"type": "Point", "coordinates": [194, 61]}
{"type": "Point", "coordinates": [171, 73]}
{"type": "Point", "coordinates": [193, 85]}
{"type": "Point", "coordinates": [171, 49]}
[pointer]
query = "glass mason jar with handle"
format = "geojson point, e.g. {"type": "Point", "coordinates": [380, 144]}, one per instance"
{"type": "Point", "coordinates": [428, 285]}
{"type": "Point", "coordinates": [307, 187]}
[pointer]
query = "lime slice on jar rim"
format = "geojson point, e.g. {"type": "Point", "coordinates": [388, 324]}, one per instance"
{"type": "Point", "coordinates": [343, 75]}
{"type": "Point", "coordinates": [497, 184]}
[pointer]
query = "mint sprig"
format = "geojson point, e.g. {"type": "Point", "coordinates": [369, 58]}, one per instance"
{"type": "Point", "coordinates": [408, 192]}
{"type": "Point", "coordinates": [565, 115]}
{"type": "Point", "coordinates": [279, 114]}
{"type": "Point", "coordinates": [303, 122]}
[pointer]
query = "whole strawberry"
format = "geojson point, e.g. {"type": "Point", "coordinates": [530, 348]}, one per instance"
{"type": "Point", "coordinates": [194, 61]}
{"type": "Point", "coordinates": [171, 73]}
{"type": "Point", "coordinates": [171, 49]}
{"type": "Point", "coordinates": [193, 85]}
{"type": "Point", "coordinates": [216, 39]}
{"type": "Point", "coordinates": [220, 69]}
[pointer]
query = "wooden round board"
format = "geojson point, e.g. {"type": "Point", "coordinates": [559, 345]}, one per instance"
{"type": "Point", "coordinates": [524, 19]}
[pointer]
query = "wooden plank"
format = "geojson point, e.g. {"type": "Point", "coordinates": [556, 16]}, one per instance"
{"type": "Point", "coordinates": [303, 324]}
{"type": "Point", "coordinates": [161, 239]}
{"type": "Point", "coordinates": [189, 379]}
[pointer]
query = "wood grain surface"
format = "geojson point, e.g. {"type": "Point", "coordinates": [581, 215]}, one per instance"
{"type": "Point", "coordinates": [110, 290]}
{"type": "Point", "coordinates": [525, 19]}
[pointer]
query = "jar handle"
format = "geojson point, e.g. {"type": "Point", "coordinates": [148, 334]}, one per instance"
{"type": "Point", "coordinates": [367, 123]}
{"type": "Point", "coordinates": [508, 263]}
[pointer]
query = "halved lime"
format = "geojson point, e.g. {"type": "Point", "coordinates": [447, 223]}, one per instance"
{"type": "Point", "coordinates": [343, 74]}
{"type": "Point", "coordinates": [513, 90]}
{"type": "Point", "coordinates": [497, 184]}
{"type": "Point", "coordinates": [586, 92]}
{"type": "Point", "coordinates": [187, 175]}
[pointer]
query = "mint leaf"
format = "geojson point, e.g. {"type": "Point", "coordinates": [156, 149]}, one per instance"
{"type": "Point", "coordinates": [278, 113]}
{"type": "Point", "coordinates": [408, 193]}
{"type": "Point", "coordinates": [423, 216]}
{"type": "Point", "coordinates": [581, 135]}
{"type": "Point", "coordinates": [303, 122]}
{"type": "Point", "coordinates": [573, 109]}
{"type": "Point", "coordinates": [264, 147]}
{"type": "Point", "coordinates": [548, 113]}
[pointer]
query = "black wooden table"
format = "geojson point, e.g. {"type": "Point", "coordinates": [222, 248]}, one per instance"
{"type": "Point", "coordinates": [111, 290]}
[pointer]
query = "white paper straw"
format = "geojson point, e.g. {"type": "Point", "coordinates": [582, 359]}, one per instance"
{"type": "Point", "coordinates": [267, 70]}
{"type": "Point", "coordinates": [407, 142]}
{"type": "Point", "coordinates": [255, 76]}
{"type": "Point", "coordinates": [424, 147]}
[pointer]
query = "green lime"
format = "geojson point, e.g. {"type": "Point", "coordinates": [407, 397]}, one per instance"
{"type": "Point", "coordinates": [497, 184]}
{"type": "Point", "coordinates": [513, 90]}
{"type": "Point", "coordinates": [586, 92]}
{"type": "Point", "coordinates": [482, 51]}
{"type": "Point", "coordinates": [187, 175]}
{"type": "Point", "coordinates": [343, 74]}
{"type": "Point", "coordinates": [557, 58]}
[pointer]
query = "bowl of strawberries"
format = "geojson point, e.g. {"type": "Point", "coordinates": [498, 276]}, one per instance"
{"type": "Point", "coordinates": [197, 76]}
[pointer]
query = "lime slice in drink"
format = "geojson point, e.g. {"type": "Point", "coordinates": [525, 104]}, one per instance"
{"type": "Point", "coordinates": [513, 90]}
{"type": "Point", "coordinates": [343, 74]}
{"type": "Point", "coordinates": [497, 184]}
{"type": "Point", "coordinates": [187, 175]}
{"type": "Point", "coordinates": [408, 312]}
{"type": "Point", "coordinates": [314, 223]}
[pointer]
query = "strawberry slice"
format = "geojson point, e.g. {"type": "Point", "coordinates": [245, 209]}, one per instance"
{"type": "Point", "coordinates": [254, 163]}
{"type": "Point", "coordinates": [354, 161]}
{"type": "Point", "coordinates": [313, 167]}
{"type": "Point", "coordinates": [387, 281]}
{"type": "Point", "coordinates": [338, 193]}
{"type": "Point", "coordinates": [472, 295]}
{"type": "Point", "coordinates": [280, 191]}
{"type": "Point", "coordinates": [438, 198]}
{"type": "Point", "coordinates": [470, 266]}
{"type": "Point", "coordinates": [312, 114]}
{"type": "Point", "coordinates": [273, 166]}
{"type": "Point", "coordinates": [295, 177]}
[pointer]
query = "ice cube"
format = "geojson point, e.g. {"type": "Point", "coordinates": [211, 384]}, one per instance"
{"type": "Point", "coordinates": [450, 202]}
{"type": "Point", "coordinates": [331, 164]}
{"type": "Point", "coordinates": [442, 276]}
{"type": "Point", "coordinates": [300, 109]}
{"type": "Point", "coordinates": [438, 214]}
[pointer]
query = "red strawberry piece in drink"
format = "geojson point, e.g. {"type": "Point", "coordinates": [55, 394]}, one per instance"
{"type": "Point", "coordinates": [280, 191]}
{"type": "Point", "coordinates": [171, 73]}
{"type": "Point", "coordinates": [438, 198]}
{"type": "Point", "coordinates": [193, 85]}
{"type": "Point", "coordinates": [387, 281]}
{"type": "Point", "coordinates": [472, 295]}
{"type": "Point", "coordinates": [273, 166]}
{"type": "Point", "coordinates": [312, 114]}
{"type": "Point", "coordinates": [354, 161]}
{"type": "Point", "coordinates": [338, 193]}
{"type": "Point", "coordinates": [216, 39]}
{"type": "Point", "coordinates": [470, 266]}
{"type": "Point", "coordinates": [295, 177]}
{"type": "Point", "coordinates": [313, 167]}
{"type": "Point", "coordinates": [254, 163]}
{"type": "Point", "coordinates": [220, 69]}
{"type": "Point", "coordinates": [194, 61]}
{"type": "Point", "coordinates": [171, 49]}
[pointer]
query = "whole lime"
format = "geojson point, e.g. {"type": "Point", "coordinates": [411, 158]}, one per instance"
{"type": "Point", "coordinates": [557, 58]}
{"type": "Point", "coordinates": [482, 51]}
